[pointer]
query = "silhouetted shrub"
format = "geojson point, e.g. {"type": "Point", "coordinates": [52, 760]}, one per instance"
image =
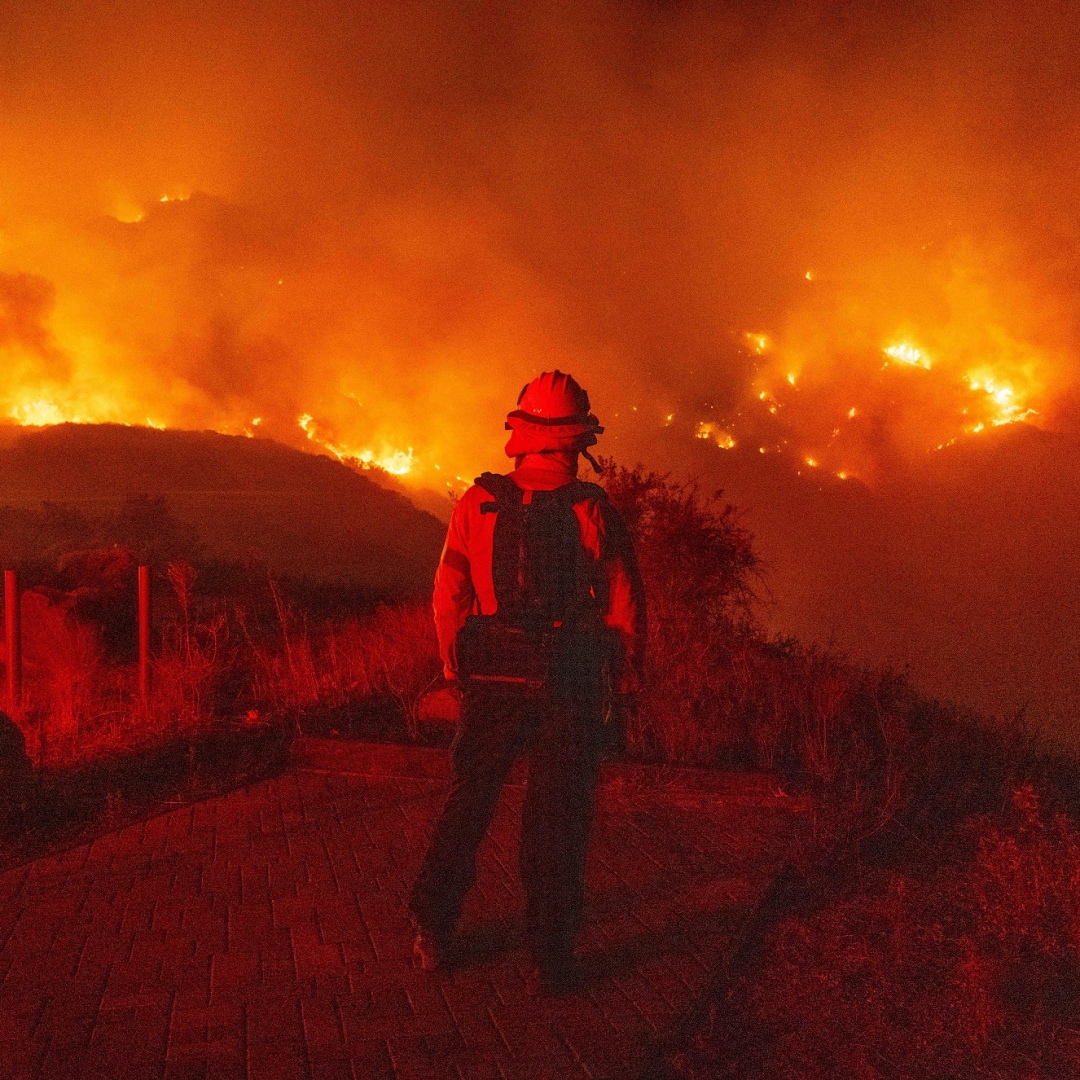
{"type": "Point", "coordinates": [16, 775]}
{"type": "Point", "coordinates": [699, 568]}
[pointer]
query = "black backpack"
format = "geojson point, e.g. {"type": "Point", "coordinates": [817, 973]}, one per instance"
{"type": "Point", "coordinates": [547, 633]}
{"type": "Point", "coordinates": [539, 567]}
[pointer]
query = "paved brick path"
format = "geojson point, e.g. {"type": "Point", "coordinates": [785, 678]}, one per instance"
{"type": "Point", "coordinates": [264, 933]}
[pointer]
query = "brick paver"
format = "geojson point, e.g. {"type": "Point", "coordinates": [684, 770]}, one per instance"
{"type": "Point", "coordinates": [264, 933]}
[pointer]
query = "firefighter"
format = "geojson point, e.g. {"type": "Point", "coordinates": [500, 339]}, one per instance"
{"type": "Point", "coordinates": [539, 611]}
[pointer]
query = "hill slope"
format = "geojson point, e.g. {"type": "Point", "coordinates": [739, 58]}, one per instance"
{"type": "Point", "coordinates": [964, 569]}
{"type": "Point", "coordinates": [303, 515]}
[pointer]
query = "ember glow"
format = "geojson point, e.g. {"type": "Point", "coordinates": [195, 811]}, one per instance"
{"type": "Point", "coordinates": [724, 439]}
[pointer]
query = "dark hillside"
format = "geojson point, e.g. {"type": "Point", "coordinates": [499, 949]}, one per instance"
{"type": "Point", "coordinates": [302, 515]}
{"type": "Point", "coordinates": [965, 571]}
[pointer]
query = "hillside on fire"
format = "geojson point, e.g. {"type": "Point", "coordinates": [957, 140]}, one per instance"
{"type": "Point", "coordinates": [211, 497]}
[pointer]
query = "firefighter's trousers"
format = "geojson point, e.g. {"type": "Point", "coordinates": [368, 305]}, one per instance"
{"type": "Point", "coordinates": [561, 741]}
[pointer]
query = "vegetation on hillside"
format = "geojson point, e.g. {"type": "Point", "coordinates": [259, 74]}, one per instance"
{"type": "Point", "coordinates": [210, 499]}
{"type": "Point", "coordinates": [938, 930]}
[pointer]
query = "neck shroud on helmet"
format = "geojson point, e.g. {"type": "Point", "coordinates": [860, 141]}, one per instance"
{"type": "Point", "coordinates": [553, 417]}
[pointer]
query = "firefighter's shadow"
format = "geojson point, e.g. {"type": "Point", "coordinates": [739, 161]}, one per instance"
{"type": "Point", "coordinates": [487, 940]}
{"type": "Point", "coordinates": [679, 936]}
{"type": "Point", "coordinates": [606, 951]}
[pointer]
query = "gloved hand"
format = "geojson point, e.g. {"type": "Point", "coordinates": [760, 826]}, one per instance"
{"type": "Point", "coordinates": [442, 705]}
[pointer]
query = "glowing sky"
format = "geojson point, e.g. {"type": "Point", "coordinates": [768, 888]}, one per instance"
{"type": "Point", "coordinates": [386, 217]}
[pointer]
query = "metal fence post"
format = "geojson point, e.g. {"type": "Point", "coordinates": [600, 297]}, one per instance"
{"type": "Point", "coordinates": [144, 634]}
{"type": "Point", "coordinates": [13, 638]}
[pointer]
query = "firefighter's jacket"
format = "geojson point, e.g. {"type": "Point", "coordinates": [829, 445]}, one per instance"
{"type": "Point", "coordinates": [464, 586]}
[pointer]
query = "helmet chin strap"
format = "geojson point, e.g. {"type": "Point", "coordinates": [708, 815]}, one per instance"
{"type": "Point", "coordinates": [592, 461]}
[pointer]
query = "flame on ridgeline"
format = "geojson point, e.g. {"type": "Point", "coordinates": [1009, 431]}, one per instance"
{"type": "Point", "coordinates": [395, 462]}
{"type": "Point", "coordinates": [34, 411]}
{"type": "Point", "coordinates": [909, 354]}
{"type": "Point", "coordinates": [814, 408]}
{"type": "Point", "coordinates": [41, 412]}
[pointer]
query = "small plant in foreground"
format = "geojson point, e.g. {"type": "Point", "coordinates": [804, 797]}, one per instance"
{"type": "Point", "coordinates": [971, 971]}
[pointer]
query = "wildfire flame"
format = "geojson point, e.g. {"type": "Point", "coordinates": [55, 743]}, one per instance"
{"type": "Point", "coordinates": [992, 400]}
{"type": "Point", "coordinates": [224, 229]}
{"type": "Point", "coordinates": [32, 408]}
{"type": "Point", "coordinates": [908, 354]}
{"type": "Point", "coordinates": [46, 412]}
{"type": "Point", "coordinates": [1002, 398]}
{"type": "Point", "coordinates": [802, 417]}
{"type": "Point", "coordinates": [396, 462]}
{"type": "Point", "coordinates": [41, 412]}
{"type": "Point", "coordinates": [724, 439]}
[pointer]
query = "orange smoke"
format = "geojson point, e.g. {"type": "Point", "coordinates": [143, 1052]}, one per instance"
{"type": "Point", "coordinates": [843, 235]}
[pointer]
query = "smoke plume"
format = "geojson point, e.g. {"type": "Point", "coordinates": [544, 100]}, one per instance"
{"type": "Point", "coordinates": [387, 217]}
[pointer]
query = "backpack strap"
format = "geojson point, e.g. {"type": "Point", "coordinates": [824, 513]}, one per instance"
{"type": "Point", "coordinates": [583, 489]}
{"type": "Point", "coordinates": [506, 493]}
{"type": "Point", "coordinates": [576, 491]}
{"type": "Point", "coordinates": [509, 496]}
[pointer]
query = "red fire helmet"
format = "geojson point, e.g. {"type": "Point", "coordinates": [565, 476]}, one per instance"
{"type": "Point", "coordinates": [553, 398]}
{"type": "Point", "coordinates": [552, 414]}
